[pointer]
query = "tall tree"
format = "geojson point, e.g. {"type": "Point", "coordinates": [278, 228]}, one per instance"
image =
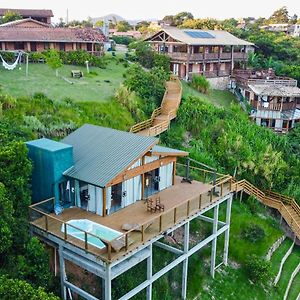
{"type": "Point", "coordinates": [10, 16]}
{"type": "Point", "coordinates": [53, 60]}
{"type": "Point", "coordinates": [279, 16]}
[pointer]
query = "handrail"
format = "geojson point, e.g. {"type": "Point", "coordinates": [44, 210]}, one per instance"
{"type": "Point", "coordinates": [162, 109]}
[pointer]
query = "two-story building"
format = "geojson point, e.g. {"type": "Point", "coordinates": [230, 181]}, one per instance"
{"type": "Point", "coordinates": [212, 53]}
{"type": "Point", "coordinates": [275, 101]}
{"type": "Point", "coordinates": [104, 199]}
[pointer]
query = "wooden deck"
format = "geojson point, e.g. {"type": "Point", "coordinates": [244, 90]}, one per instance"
{"type": "Point", "coordinates": [181, 201]}
{"type": "Point", "coordinates": [162, 116]}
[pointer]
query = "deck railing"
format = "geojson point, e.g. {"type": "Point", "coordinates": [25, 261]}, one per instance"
{"type": "Point", "coordinates": [162, 126]}
{"type": "Point", "coordinates": [132, 238]}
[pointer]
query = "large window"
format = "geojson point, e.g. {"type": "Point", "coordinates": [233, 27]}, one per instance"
{"type": "Point", "coordinates": [19, 46]}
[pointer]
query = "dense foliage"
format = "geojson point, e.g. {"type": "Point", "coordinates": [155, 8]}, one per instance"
{"type": "Point", "coordinates": [200, 83]}
{"type": "Point", "coordinates": [149, 85]}
{"type": "Point", "coordinates": [123, 40]}
{"type": "Point", "coordinates": [21, 290]}
{"type": "Point", "coordinates": [258, 269]}
{"type": "Point", "coordinates": [148, 58]}
{"type": "Point", "coordinates": [226, 139]}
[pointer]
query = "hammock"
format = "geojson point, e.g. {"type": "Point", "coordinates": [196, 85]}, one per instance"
{"type": "Point", "coordinates": [12, 66]}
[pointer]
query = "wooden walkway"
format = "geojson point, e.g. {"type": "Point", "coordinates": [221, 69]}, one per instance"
{"type": "Point", "coordinates": [162, 116]}
{"type": "Point", "coordinates": [287, 206]}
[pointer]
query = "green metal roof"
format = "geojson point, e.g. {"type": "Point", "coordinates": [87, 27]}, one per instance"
{"type": "Point", "coordinates": [48, 145]}
{"type": "Point", "coordinates": [166, 150]}
{"type": "Point", "coordinates": [100, 153]}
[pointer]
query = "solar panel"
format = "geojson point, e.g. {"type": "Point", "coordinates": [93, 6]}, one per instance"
{"type": "Point", "coordinates": [199, 34]}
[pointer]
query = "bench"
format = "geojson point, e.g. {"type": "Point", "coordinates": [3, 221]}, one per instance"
{"type": "Point", "coordinates": [76, 74]}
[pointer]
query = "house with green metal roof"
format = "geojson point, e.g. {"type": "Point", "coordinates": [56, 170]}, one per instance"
{"type": "Point", "coordinates": [100, 169]}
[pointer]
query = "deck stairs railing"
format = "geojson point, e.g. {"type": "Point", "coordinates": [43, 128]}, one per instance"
{"type": "Point", "coordinates": [287, 206]}
{"type": "Point", "coordinates": [163, 115]}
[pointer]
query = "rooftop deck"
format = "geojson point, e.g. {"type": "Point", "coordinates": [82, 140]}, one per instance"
{"type": "Point", "coordinates": [181, 201]}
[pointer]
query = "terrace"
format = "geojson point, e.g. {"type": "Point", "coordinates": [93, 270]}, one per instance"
{"type": "Point", "coordinates": [181, 201]}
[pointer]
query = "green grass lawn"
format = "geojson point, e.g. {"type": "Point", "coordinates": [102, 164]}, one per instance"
{"type": "Point", "coordinates": [295, 288]}
{"type": "Point", "coordinates": [42, 79]}
{"type": "Point", "coordinates": [288, 268]}
{"type": "Point", "coordinates": [216, 97]}
{"type": "Point", "coordinates": [279, 254]}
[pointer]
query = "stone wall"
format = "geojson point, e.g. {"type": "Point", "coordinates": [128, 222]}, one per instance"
{"type": "Point", "coordinates": [220, 83]}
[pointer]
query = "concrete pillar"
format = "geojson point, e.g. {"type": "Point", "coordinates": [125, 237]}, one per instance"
{"type": "Point", "coordinates": [108, 283]}
{"type": "Point", "coordinates": [3, 45]}
{"type": "Point", "coordinates": [226, 241]}
{"type": "Point", "coordinates": [149, 274]}
{"type": "Point", "coordinates": [62, 271]}
{"type": "Point", "coordinates": [232, 59]}
{"type": "Point", "coordinates": [186, 261]}
{"type": "Point", "coordinates": [214, 242]}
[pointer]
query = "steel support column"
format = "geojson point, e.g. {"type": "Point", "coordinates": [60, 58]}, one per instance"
{"type": "Point", "coordinates": [62, 271]}
{"type": "Point", "coordinates": [214, 242]}
{"type": "Point", "coordinates": [108, 283]}
{"type": "Point", "coordinates": [149, 274]}
{"type": "Point", "coordinates": [186, 261]}
{"type": "Point", "coordinates": [226, 240]}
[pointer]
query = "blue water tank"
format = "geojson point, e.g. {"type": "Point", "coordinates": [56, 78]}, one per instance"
{"type": "Point", "coordinates": [50, 159]}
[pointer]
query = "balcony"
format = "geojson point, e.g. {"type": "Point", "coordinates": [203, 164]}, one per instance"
{"type": "Point", "coordinates": [180, 201]}
{"type": "Point", "coordinates": [208, 56]}
{"type": "Point", "coordinates": [273, 106]}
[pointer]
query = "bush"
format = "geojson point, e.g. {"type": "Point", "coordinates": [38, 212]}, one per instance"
{"type": "Point", "coordinates": [253, 233]}
{"type": "Point", "coordinates": [21, 290]}
{"type": "Point", "coordinates": [36, 56]}
{"type": "Point", "coordinates": [258, 269]}
{"type": "Point", "coordinates": [123, 40]}
{"type": "Point", "coordinates": [200, 83]}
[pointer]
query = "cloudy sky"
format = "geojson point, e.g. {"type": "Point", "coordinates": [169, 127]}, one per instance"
{"type": "Point", "coordinates": [157, 9]}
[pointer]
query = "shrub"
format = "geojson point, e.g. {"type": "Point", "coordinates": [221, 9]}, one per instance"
{"type": "Point", "coordinates": [253, 233]}
{"type": "Point", "coordinates": [258, 269]}
{"type": "Point", "coordinates": [21, 290]}
{"type": "Point", "coordinates": [36, 56]}
{"type": "Point", "coordinates": [123, 40]}
{"type": "Point", "coordinates": [200, 83]}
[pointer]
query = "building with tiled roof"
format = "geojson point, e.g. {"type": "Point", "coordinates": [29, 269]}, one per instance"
{"type": "Point", "coordinates": [41, 15]}
{"type": "Point", "coordinates": [34, 36]}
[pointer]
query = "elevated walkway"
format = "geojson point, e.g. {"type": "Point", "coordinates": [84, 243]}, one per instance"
{"type": "Point", "coordinates": [287, 206]}
{"type": "Point", "coordinates": [162, 116]}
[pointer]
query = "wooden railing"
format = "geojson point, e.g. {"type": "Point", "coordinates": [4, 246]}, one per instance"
{"type": "Point", "coordinates": [274, 200]}
{"type": "Point", "coordinates": [159, 223]}
{"type": "Point", "coordinates": [273, 106]}
{"type": "Point", "coordinates": [162, 126]}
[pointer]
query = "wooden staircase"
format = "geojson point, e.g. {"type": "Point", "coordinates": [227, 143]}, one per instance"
{"type": "Point", "coordinates": [162, 116]}
{"type": "Point", "coordinates": [287, 206]}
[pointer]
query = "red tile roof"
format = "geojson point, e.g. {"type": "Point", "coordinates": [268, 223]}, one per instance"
{"type": "Point", "coordinates": [43, 13]}
{"type": "Point", "coordinates": [20, 34]}
{"type": "Point", "coordinates": [29, 23]}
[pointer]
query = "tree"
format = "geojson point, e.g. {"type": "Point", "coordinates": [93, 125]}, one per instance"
{"type": "Point", "coordinates": [279, 16]}
{"type": "Point", "coordinates": [210, 24]}
{"type": "Point", "coordinates": [99, 23]}
{"type": "Point", "coordinates": [53, 60]}
{"type": "Point", "coordinates": [21, 290]}
{"type": "Point", "coordinates": [6, 221]}
{"type": "Point", "coordinates": [10, 16]}
{"type": "Point", "coordinates": [182, 17]}
{"type": "Point", "coordinates": [123, 26]}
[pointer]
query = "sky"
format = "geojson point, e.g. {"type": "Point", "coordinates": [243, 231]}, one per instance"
{"type": "Point", "coordinates": [156, 9]}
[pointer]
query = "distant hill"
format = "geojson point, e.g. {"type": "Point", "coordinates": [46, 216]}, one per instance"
{"type": "Point", "coordinates": [117, 18]}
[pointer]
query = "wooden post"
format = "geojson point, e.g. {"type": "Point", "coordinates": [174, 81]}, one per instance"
{"type": "Point", "coordinates": [221, 193]}
{"type": "Point", "coordinates": [232, 61]}
{"type": "Point", "coordinates": [143, 233]}
{"type": "Point", "coordinates": [175, 214]}
{"type": "Point", "coordinates": [211, 195]}
{"type": "Point", "coordinates": [109, 251]}
{"type": "Point", "coordinates": [126, 241]}
{"type": "Point", "coordinates": [65, 231]}
{"type": "Point", "coordinates": [174, 173]}
{"type": "Point", "coordinates": [27, 65]}
{"type": "Point", "coordinates": [200, 201]}
{"type": "Point", "coordinates": [188, 208]}
{"type": "Point", "coordinates": [46, 223]}
{"type": "Point", "coordinates": [85, 241]}
{"type": "Point", "coordinates": [160, 223]}
{"type": "Point", "coordinates": [104, 202]}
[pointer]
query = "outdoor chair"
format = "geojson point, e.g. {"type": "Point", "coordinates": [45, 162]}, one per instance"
{"type": "Point", "coordinates": [150, 205]}
{"type": "Point", "coordinates": [159, 206]}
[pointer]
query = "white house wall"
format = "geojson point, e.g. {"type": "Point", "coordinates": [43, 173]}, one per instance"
{"type": "Point", "coordinates": [132, 190]}
{"type": "Point", "coordinates": [96, 201]}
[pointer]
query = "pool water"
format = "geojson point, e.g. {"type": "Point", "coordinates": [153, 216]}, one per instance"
{"type": "Point", "coordinates": [99, 230]}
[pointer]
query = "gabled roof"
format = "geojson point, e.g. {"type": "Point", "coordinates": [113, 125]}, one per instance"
{"type": "Point", "coordinates": [202, 37]}
{"type": "Point", "coordinates": [275, 90]}
{"type": "Point", "coordinates": [44, 13]}
{"type": "Point", "coordinates": [50, 34]}
{"type": "Point", "coordinates": [31, 23]}
{"type": "Point", "coordinates": [100, 153]}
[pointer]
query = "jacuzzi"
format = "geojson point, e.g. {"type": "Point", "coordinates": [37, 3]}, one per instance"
{"type": "Point", "coordinates": [99, 230]}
